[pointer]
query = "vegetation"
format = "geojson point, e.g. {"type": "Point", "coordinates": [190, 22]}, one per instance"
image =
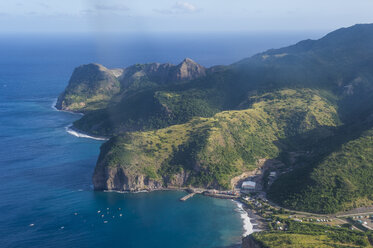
{"type": "Point", "coordinates": [311, 235]}
{"type": "Point", "coordinates": [338, 181]}
{"type": "Point", "coordinates": [313, 97]}
{"type": "Point", "coordinates": [91, 87]}
{"type": "Point", "coordinates": [215, 149]}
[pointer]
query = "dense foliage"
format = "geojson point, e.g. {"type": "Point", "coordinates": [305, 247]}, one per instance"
{"type": "Point", "coordinates": [213, 150]}
{"type": "Point", "coordinates": [313, 97]}
{"type": "Point", "coordinates": [338, 181]}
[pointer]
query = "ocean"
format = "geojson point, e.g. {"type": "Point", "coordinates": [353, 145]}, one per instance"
{"type": "Point", "coordinates": [46, 196]}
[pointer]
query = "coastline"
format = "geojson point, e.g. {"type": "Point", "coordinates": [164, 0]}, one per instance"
{"type": "Point", "coordinates": [250, 220]}
{"type": "Point", "coordinates": [73, 131]}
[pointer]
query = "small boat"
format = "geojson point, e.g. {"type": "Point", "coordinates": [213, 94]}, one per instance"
{"type": "Point", "coordinates": [105, 221]}
{"type": "Point", "coordinates": [32, 224]}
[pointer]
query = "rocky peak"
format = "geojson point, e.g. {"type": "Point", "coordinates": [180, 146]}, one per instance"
{"type": "Point", "coordinates": [188, 70]}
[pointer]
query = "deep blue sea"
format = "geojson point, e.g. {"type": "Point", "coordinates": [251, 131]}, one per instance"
{"type": "Point", "coordinates": [46, 196]}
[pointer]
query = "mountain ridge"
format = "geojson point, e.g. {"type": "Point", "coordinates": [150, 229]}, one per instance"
{"type": "Point", "coordinates": [162, 127]}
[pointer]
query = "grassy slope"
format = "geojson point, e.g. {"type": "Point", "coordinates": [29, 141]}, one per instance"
{"type": "Point", "coordinates": [215, 149]}
{"type": "Point", "coordinates": [339, 181]}
{"type": "Point", "coordinates": [312, 235]}
{"type": "Point", "coordinates": [155, 107]}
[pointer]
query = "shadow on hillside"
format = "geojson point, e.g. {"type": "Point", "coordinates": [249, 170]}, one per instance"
{"type": "Point", "coordinates": [318, 144]}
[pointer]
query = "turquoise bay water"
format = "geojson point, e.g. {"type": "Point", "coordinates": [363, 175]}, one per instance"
{"type": "Point", "coordinates": [46, 179]}
{"type": "Point", "coordinates": [46, 196]}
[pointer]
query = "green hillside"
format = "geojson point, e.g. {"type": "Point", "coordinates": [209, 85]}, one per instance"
{"type": "Point", "coordinates": [178, 125]}
{"type": "Point", "coordinates": [91, 87]}
{"type": "Point", "coordinates": [213, 150]}
{"type": "Point", "coordinates": [311, 236]}
{"type": "Point", "coordinates": [340, 63]}
{"type": "Point", "coordinates": [339, 181]}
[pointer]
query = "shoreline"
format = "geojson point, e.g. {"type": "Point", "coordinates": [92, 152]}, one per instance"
{"type": "Point", "coordinates": [73, 131]}
{"type": "Point", "coordinates": [250, 221]}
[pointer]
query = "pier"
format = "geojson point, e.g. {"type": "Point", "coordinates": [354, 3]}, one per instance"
{"type": "Point", "coordinates": [184, 198]}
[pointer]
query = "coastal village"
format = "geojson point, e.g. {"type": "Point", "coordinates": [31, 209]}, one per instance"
{"type": "Point", "coordinates": [266, 215]}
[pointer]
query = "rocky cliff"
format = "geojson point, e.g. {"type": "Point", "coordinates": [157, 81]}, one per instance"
{"type": "Point", "coordinates": [90, 87]}
{"type": "Point", "coordinates": [250, 242]}
{"type": "Point", "coordinates": [93, 86]}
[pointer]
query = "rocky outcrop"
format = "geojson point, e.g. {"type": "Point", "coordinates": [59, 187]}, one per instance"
{"type": "Point", "coordinates": [91, 86]}
{"type": "Point", "coordinates": [162, 73]}
{"type": "Point", "coordinates": [120, 179]}
{"type": "Point", "coordinates": [249, 242]}
{"type": "Point", "coordinates": [128, 178]}
{"type": "Point", "coordinates": [188, 70]}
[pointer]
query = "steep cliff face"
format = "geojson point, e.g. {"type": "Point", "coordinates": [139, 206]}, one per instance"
{"type": "Point", "coordinates": [120, 179]}
{"type": "Point", "coordinates": [249, 242]}
{"type": "Point", "coordinates": [127, 178]}
{"type": "Point", "coordinates": [162, 73]}
{"type": "Point", "coordinates": [93, 86]}
{"type": "Point", "coordinates": [188, 70]}
{"type": "Point", "coordinates": [90, 87]}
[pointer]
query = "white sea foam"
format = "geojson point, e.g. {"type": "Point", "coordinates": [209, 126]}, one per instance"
{"type": "Point", "coordinates": [72, 131]}
{"type": "Point", "coordinates": [127, 192]}
{"type": "Point", "coordinates": [54, 104]}
{"type": "Point", "coordinates": [247, 225]}
{"type": "Point", "coordinates": [82, 135]}
{"type": "Point", "coordinates": [71, 112]}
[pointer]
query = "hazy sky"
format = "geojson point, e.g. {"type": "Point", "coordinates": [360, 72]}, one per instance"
{"type": "Point", "coordinates": [169, 15]}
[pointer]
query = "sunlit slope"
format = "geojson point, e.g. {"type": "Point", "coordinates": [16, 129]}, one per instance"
{"type": "Point", "coordinates": [311, 236]}
{"type": "Point", "coordinates": [341, 63]}
{"type": "Point", "coordinates": [208, 152]}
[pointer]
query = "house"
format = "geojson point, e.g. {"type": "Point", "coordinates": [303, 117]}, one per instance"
{"type": "Point", "coordinates": [248, 185]}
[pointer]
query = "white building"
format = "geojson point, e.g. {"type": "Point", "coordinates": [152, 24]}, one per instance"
{"type": "Point", "coordinates": [248, 185]}
{"type": "Point", "coordinates": [272, 174]}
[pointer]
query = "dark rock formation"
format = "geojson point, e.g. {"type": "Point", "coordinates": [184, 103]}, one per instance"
{"type": "Point", "coordinates": [249, 242]}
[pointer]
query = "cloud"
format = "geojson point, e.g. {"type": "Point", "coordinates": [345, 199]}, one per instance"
{"type": "Point", "coordinates": [111, 7]}
{"type": "Point", "coordinates": [179, 8]}
{"type": "Point", "coordinates": [105, 9]}
{"type": "Point", "coordinates": [44, 5]}
{"type": "Point", "coordinates": [185, 6]}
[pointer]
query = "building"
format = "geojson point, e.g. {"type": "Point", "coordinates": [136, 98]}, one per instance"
{"type": "Point", "coordinates": [248, 185]}
{"type": "Point", "coordinates": [272, 174]}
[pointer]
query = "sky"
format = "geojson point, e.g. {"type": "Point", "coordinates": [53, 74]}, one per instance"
{"type": "Point", "coordinates": [121, 16]}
